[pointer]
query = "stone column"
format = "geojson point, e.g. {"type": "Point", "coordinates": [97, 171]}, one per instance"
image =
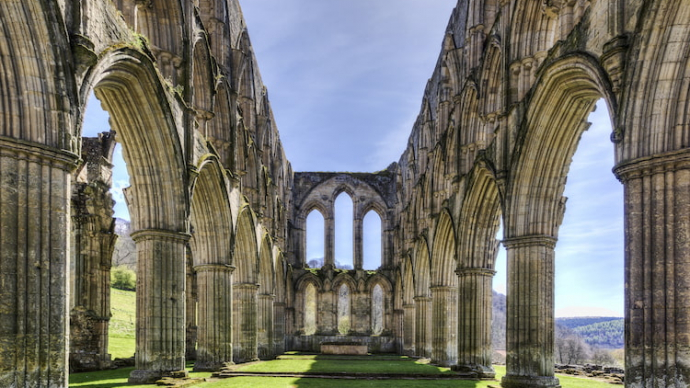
{"type": "Point", "coordinates": [244, 308]}
{"type": "Point", "coordinates": [657, 271]}
{"type": "Point", "coordinates": [191, 306]}
{"type": "Point", "coordinates": [422, 326]}
{"type": "Point", "coordinates": [265, 330]}
{"type": "Point", "coordinates": [474, 321]}
{"type": "Point", "coordinates": [34, 264]}
{"type": "Point", "coordinates": [444, 329]}
{"type": "Point", "coordinates": [408, 330]}
{"type": "Point", "coordinates": [214, 335]}
{"type": "Point", "coordinates": [358, 242]}
{"type": "Point", "coordinates": [398, 324]}
{"type": "Point", "coordinates": [329, 243]}
{"type": "Point", "coordinates": [530, 320]}
{"type": "Point", "coordinates": [161, 283]}
{"type": "Point", "coordinates": [280, 328]}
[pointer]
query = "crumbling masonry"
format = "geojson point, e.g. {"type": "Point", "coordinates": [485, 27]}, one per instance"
{"type": "Point", "coordinates": [219, 216]}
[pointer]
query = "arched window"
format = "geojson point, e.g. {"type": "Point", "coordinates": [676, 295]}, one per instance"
{"type": "Point", "coordinates": [344, 309]}
{"type": "Point", "coordinates": [371, 234]}
{"type": "Point", "coordinates": [315, 240]}
{"type": "Point", "coordinates": [310, 310]}
{"type": "Point", "coordinates": [343, 232]}
{"type": "Point", "coordinates": [377, 310]}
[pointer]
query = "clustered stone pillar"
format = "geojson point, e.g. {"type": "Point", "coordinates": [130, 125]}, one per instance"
{"type": "Point", "coordinates": [34, 236]}
{"type": "Point", "coordinates": [93, 242]}
{"type": "Point", "coordinates": [280, 327]}
{"type": "Point", "coordinates": [444, 329]}
{"type": "Point", "coordinates": [192, 328]}
{"type": "Point", "coordinates": [245, 331]}
{"type": "Point", "coordinates": [422, 326]}
{"type": "Point", "coordinates": [214, 336]}
{"type": "Point", "coordinates": [409, 329]}
{"type": "Point", "coordinates": [90, 314]}
{"type": "Point", "coordinates": [657, 270]}
{"type": "Point", "coordinates": [329, 243]}
{"type": "Point", "coordinates": [530, 318]}
{"type": "Point", "coordinates": [161, 325]}
{"type": "Point", "coordinates": [265, 330]}
{"type": "Point", "coordinates": [474, 320]}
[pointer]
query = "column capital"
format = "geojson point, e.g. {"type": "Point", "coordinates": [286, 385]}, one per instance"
{"type": "Point", "coordinates": [246, 286]}
{"type": "Point", "coordinates": [214, 268]}
{"type": "Point", "coordinates": [22, 149]}
{"type": "Point", "coordinates": [530, 240]}
{"type": "Point", "coordinates": [442, 288]}
{"type": "Point", "coordinates": [461, 272]}
{"type": "Point", "coordinates": [159, 234]}
{"type": "Point", "coordinates": [651, 165]}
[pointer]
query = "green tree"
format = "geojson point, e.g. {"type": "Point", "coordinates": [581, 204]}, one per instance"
{"type": "Point", "coordinates": [123, 278]}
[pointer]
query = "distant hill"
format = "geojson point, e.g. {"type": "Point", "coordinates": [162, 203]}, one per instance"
{"type": "Point", "coordinates": [575, 322]}
{"type": "Point", "coordinates": [606, 334]}
{"type": "Point", "coordinates": [601, 332]}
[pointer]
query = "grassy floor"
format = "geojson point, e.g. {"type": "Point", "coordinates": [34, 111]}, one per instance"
{"type": "Point", "coordinates": [118, 378]}
{"type": "Point", "coordinates": [121, 333]}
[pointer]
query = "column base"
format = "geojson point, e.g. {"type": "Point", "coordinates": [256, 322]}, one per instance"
{"type": "Point", "coordinates": [151, 376]}
{"type": "Point", "coordinates": [530, 382]}
{"type": "Point", "coordinates": [481, 371]}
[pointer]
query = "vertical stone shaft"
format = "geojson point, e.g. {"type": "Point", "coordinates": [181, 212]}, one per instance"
{"type": "Point", "coordinates": [161, 283]}
{"type": "Point", "coordinates": [265, 329]}
{"type": "Point", "coordinates": [34, 263]}
{"type": "Point", "coordinates": [191, 306]}
{"type": "Point", "coordinates": [474, 320]}
{"type": "Point", "coordinates": [444, 327]}
{"type": "Point", "coordinates": [423, 326]}
{"type": "Point", "coordinates": [358, 242]}
{"type": "Point", "coordinates": [280, 328]}
{"type": "Point", "coordinates": [530, 319]}
{"type": "Point", "coordinates": [398, 325]}
{"type": "Point", "coordinates": [329, 237]}
{"type": "Point", "coordinates": [657, 271]}
{"type": "Point", "coordinates": [245, 330]}
{"type": "Point", "coordinates": [409, 330]}
{"type": "Point", "coordinates": [214, 340]}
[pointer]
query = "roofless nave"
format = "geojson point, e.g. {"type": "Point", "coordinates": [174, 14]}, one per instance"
{"type": "Point", "coordinates": [218, 213]}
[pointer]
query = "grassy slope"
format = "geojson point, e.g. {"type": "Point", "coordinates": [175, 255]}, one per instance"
{"type": "Point", "coordinates": [121, 340]}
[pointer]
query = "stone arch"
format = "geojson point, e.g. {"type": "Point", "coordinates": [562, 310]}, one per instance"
{"type": "Point", "coordinates": [408, 305]}
{"type": "Point", "coordinates": [548, 139]}
{"type": "Point", "coordinates": [307, 323]}
{"type": "Point", "coordinates": [267, 285]}
{"type": "Point", "coordinates": [534, 205]}
{"type": "Point", "coordinates": [245, 289]}
{"type": "Point", "coordinates": [444, 292]}
{"type": "Point", "coordinates": [344, 304]}
{"type": "Point", "coordinates": [203, 83]}
{"type": "Point", "coordinates": [478, 248]}
{"type": "Point", "coordinates": [162, 23]}
{"type": "Point", "coordinates": [660, 90]}
{"type": "Point", "coordinates": [492, 76]}
{"type": "Point", "coordinates": [36, 78]}
{"type": "Point", "coordinates": [214, 16]}
{"type": "Point", "coordinates": [422, 299]}
{"type": "Point", "coordinates": [211, 222]}
{"type": "Point", "coordinates": [470, 126]}
{"type": "Point", "coordinates": [221, 128]}
{"type": "Point", "coordinates": [281, 300]}
{"type": "Point", "coordinates": [127, 84]}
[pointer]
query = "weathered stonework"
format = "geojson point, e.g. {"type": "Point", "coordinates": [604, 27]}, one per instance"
{"type": "Point", "coordinates": [211, 189]}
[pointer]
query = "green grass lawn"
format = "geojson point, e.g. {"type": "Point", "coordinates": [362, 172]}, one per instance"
{"type": "Point", "coordinates": [121, 333]}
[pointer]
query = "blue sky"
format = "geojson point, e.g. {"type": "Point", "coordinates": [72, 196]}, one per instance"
{"type": "Point", "coordinates": [346, 79]}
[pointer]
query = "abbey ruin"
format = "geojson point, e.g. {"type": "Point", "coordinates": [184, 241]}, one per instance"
{"type": "Point", "coordinates": [219, 216]}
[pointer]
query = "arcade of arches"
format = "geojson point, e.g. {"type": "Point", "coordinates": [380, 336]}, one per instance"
{"type": "Point", "coordinates": [219, 216]}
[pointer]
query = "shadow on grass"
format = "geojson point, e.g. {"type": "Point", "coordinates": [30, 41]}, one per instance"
{"type": "Point", "coordinates": [376, 371]}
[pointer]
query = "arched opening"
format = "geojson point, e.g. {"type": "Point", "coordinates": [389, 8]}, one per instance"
{"type": "Point", "coordinates": [310, 309]}
{"type": "Point", "coordinates": [344, 321]}
{"type": "Point", "coordinates": [315, 240]}
{"type": "Point", "coordinates": [245, 289]}
{"type": "Point", "coordinates": [344, 224]}
{"type": "Point", "coordinates": [372, 236]}
{"type": "Point", "coordinates": [377, 310]}
{"type": "Point", "coordinates": [266, 298]}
